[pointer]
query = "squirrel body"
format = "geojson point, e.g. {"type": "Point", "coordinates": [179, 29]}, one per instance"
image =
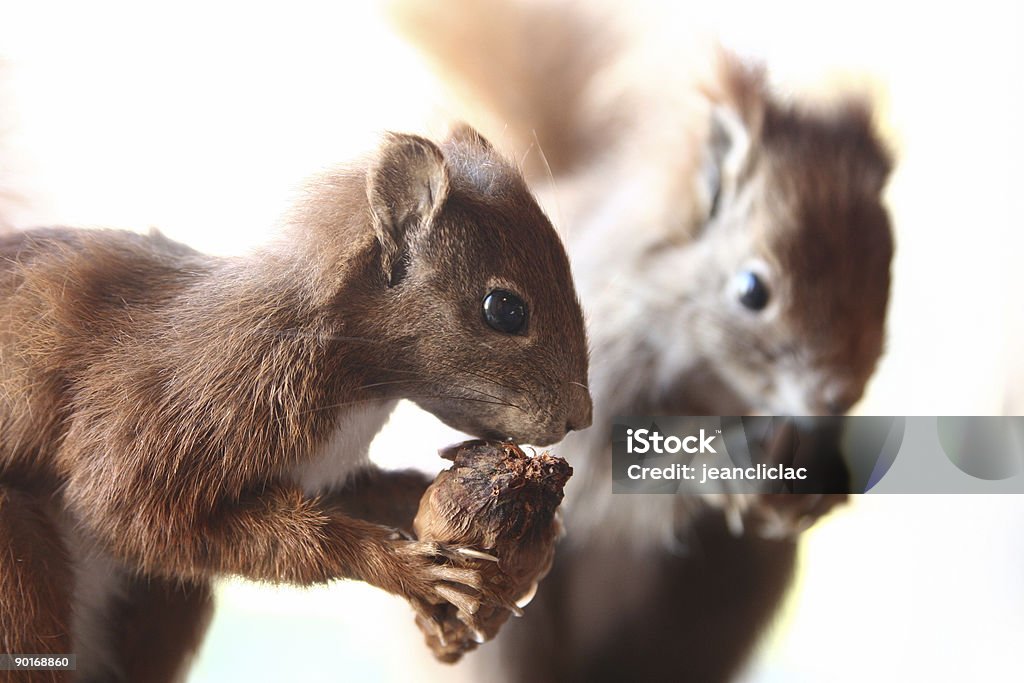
{"type": "Point", "coordinates": [179, 417]}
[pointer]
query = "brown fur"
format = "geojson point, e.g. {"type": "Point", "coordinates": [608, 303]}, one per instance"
{"type": "Point", "coordinates": [159, 627]}
{"type": "Point", "coordinates": [171, 403]}
{"type": "Point", "coordinates": [655, 252]}
{"type": "Point", "coordinates": [34, 611]}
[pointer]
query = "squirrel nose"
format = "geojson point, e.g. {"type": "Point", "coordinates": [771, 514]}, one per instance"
{"type": "Point", "coordinates": [838, 400]}
{"type": "Point", "coordinates": [581, 410]}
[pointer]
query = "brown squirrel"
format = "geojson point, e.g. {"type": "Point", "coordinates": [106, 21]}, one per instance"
{"type": "Point", "coordinates": [732, 252]}
{"type": "Point", "coordinates": [167, 417]}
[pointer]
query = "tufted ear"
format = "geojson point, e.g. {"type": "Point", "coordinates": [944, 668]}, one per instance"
{"type": "Point", "coordinates": [466, 134]}
{"type": "Point", "coordinates": [741, 87]}
{"type": "Point", "coordinates": [730, 140]}
{"type": "Point", "coordinates": [407, 185]}
{"type": "Point", "coordinates": [855, 122]}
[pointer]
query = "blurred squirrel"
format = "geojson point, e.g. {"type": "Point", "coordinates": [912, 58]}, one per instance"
{"type": "Point", "coordinates": [732, 252]}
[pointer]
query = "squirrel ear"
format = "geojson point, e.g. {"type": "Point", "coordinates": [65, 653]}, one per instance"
{"type": "Point", "coordinates": [465, 133]}
{"type": "Point", "coordinates": [730, 140]}
{"type": "Point", "coordinates": [737, 92]}
{"type": "Point", "coordinates": [407, 185]}
{"type": "Point", "coordinates": [741, 86]}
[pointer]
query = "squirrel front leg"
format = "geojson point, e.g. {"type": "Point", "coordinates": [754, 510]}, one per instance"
{"type": "Point", "coordinates": [387, 497]}
{"type": "Point", "coordinates": [162, 620]}
{"type": "Point", "coordinates": [277, 534]}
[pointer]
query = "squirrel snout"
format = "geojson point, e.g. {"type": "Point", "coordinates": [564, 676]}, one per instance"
{"type": "Point", "coordinates": [581, 409]}
{"type": "Point", "coordinates": [837, 399]}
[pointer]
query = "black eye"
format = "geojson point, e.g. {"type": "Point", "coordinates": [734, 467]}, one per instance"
{"type": "Point", "coordinates": [751, 290]}
{"type": "Point", "coordinates": [504, 311]}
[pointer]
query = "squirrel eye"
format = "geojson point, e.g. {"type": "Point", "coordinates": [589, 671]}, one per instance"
{"type": "Point", "coordinates": [751, 290]}
{"type": "Point", "coordinates": [504, 311]}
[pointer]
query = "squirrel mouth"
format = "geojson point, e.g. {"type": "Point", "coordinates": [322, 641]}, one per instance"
{"type": "Point", "coordinates": [449, 451]}
{"type": "Point", "coordinates": [492, 435]}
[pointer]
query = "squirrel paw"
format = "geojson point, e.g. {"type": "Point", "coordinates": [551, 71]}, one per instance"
{"type": "Point", "coordinates": [788, 515]}
{"type": "Point", "coordinates": [428, 574]}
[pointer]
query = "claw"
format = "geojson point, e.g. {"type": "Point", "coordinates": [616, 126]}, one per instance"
{"type": "Point", "coordinates": [470, 621]}
{"type": "Point", "coordinates": [512, 607]}
{"type": "Point", "coordinates": [433, 623]}
{"type": "Point", "coordinates": [476, 554]}
{"type": "Point", "coordinates": [525, 599]}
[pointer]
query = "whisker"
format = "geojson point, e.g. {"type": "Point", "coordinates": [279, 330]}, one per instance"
{"type": "Point", "coordinates": [313, 335]}
{"type": "Point", "coordinates": [333, 337]}
{"type": "Point", "coordinates": [394, 381]}
{"type": "Point", "coordinates": [478, 373]}
{"type": "Point", "coordinates": [483, 376]}
{"type": "Point", "coordinates": [458, 386]}
{"type": "Point", "coordinates": [526, 154]}
{"type": "Point", "coordinates": [342, 404]}
{"type": "Point", "coordinates": [334, 406]}
{"type": "Point", "coordinates": [554, 187]}
{"type": "Point", "coordinates": [489, 378]}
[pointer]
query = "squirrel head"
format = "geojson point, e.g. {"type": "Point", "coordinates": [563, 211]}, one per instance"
{"type": "Point", "coordinates": [469, 296]}
{"type": "Point", "coordinates": [798, 277]}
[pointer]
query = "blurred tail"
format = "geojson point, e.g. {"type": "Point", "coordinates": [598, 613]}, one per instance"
{"type": "Point", "coordinates": [528, 63]}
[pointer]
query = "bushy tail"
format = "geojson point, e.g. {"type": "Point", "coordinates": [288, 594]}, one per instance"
{"type": "Point", "coordinates": [527, 63]}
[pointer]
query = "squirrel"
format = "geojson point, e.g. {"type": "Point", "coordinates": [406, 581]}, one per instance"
{"type": "Point", "coordinates": [732, 252]}
{"type": "Point", "coordinates": [167, 417]}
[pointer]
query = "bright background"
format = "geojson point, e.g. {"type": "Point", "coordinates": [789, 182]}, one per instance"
{"type": "Point", "coordinates": [202, 119]}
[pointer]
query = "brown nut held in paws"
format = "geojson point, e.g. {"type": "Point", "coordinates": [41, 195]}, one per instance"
{"type": "Point", "coordinates": [500, 500]}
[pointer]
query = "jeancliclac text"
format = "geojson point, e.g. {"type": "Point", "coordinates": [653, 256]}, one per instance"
{"type": "Point", "coordinates": [643, 441]}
